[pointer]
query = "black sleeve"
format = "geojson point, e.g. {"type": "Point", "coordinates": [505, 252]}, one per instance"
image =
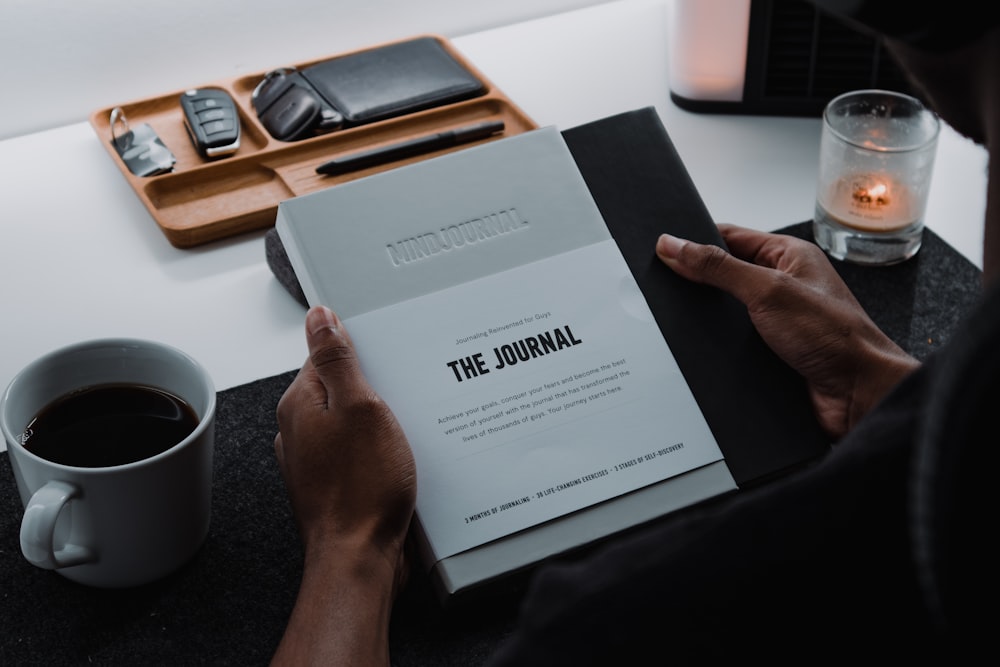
{"type": "Point", "coordinates": [814, 567]}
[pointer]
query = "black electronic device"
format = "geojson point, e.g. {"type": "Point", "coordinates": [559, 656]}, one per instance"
{"type": "Point", "coordinates": [791, 57]}
{"type": "Point", "coordinates": [289, 107]}
{"type": "Point", "coordinates": [924, 25]}
{"type": "Point", "coordinates": [212, 121]}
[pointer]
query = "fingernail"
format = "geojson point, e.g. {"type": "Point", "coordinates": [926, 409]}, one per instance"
{"type": "Point", "coordinates": [668, 246]}
{"type": "Point", "coordinates": [321, 318]}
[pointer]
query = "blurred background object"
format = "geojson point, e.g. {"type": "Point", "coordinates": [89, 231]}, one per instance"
{"type": "Point", "coordinates": [774, 57]}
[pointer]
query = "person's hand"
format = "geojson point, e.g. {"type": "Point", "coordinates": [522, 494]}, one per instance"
{"type": "Point", "coordinates": [345, 460]}
{"type": "Point", "coordinates": [804, 312]}
{"type": "Point", "coordinates": [351, 480]}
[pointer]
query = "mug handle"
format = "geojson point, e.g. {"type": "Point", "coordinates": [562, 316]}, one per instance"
{"type": "Point", "coordinates": [38, 527]}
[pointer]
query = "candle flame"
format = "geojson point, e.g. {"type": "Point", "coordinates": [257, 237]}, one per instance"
{"type": "Point", "coordinates": [876, 194]}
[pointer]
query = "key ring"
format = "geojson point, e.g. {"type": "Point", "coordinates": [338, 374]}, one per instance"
{"type": "Point", "coordinates": [270, 76]}
{"type": "Point", "coordinates": [118, 117]}
{"type": "Point", "coordinates": [142, 151]}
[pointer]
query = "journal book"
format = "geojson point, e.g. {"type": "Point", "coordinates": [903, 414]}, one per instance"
{"type": "Point", "coordinates": [557, 384]}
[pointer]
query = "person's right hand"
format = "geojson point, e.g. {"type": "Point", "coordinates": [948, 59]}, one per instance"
{"type": "Point", "coordinates": [804, 312]}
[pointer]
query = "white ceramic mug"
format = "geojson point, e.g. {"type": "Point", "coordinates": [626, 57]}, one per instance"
{"type": "Point", "coordinates": [119, 525]}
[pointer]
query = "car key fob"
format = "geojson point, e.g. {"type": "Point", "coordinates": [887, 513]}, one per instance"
{"type": "Point", "coordinates": [212, 121]}
{"type": "Point", "coordinates": [289, 107]}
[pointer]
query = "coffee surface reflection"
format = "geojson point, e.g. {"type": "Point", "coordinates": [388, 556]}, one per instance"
{"type": "Point", "coordinates": [109, 425]}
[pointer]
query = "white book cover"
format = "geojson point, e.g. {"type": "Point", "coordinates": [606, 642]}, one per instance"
{"type": "Point", "coordinates": [494, 313]}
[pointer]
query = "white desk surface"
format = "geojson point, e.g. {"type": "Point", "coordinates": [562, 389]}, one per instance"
{"type": "Point", "coordinates": [81, 258]}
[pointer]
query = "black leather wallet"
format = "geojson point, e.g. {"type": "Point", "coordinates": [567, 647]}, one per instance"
{"type": "Point", "coordinates": [362, 87]}
{"type": "Point", "coordinates": [392, 80]}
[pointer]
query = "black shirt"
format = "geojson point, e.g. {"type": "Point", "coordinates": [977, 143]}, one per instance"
{"type": "Point", "coordinates": [880, 551]}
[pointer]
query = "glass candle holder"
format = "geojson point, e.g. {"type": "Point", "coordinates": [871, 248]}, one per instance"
{"type": "Point", "coordinates": [877, 154]}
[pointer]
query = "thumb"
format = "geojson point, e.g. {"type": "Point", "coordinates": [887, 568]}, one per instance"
{"type": "Point", "coordinates": [331, 351]}
{"type": "Point", "coordinates": [709, 264]}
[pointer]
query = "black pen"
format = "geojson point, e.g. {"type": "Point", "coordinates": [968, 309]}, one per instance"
{"type": "Point", "coordinates": [410, 147]}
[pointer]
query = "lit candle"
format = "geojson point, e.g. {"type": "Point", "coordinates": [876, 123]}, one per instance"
{"type": "Point", "coordinates": [871, 202]}
{"type": "Point", "coordinates": [875, 160]}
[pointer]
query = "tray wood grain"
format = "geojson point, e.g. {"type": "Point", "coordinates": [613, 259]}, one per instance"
{"type": "Point", "coordinates": [206, 200]}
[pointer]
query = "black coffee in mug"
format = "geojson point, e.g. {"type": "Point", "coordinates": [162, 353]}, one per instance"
{"type": "Point", "coordinates": [109, 425]}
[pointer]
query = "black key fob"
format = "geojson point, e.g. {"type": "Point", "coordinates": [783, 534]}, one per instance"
{"type": "Point", "coordinates": [292, 116]}
{"type": "Point", "coordinates": [212, 122]}
{"type": "Point", "coordinates": [289, 107]}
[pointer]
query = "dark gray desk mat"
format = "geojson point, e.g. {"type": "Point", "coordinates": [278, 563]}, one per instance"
{"type": "Point", "coordinates": [230, 604]}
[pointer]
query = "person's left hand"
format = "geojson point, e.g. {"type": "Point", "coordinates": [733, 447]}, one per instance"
{"type": "Point", "coordinates": [346, 462]}
{"type": "Point", "coordinates": [352, 483]}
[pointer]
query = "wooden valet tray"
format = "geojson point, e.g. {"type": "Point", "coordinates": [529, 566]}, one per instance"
{"type": "Point", "coordinates": [206, 200]}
